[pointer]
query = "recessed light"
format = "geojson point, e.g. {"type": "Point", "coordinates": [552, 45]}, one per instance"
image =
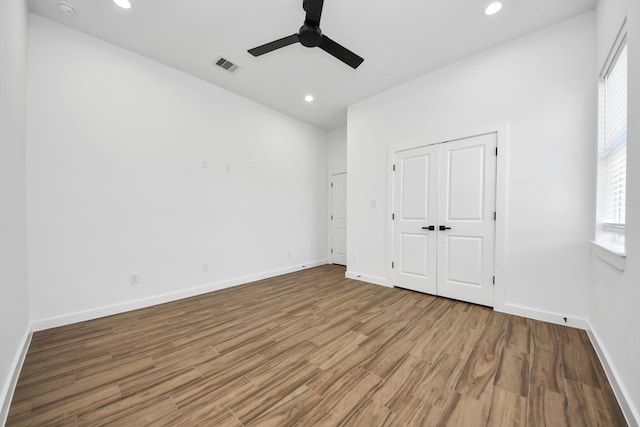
{"type": "Point", "coordinates": [308, 98]}
{"type": "Point", "coordinates": [66, 9]}
{"type": "Point", "coordinates": [493, 8]}
{"type": "Point", "coordinates": [125, 4]}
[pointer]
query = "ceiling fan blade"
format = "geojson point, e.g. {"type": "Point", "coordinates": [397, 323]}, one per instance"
{"type": "Point", "coordinates": [340, 52]}
{"type": "Point", "coordinates": [314, 11]}
{"type": "Point", "coordinates": [270, 47]}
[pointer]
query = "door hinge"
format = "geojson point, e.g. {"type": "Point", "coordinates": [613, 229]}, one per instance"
{"type": "Point", "coordinates": [495, 216]}
{"type": "Point", "coordinates": [394, 168]}
{"type": "Point", "coordinates": [496, 151]}
{"type": "Point", "coordinates": [393, 265]}
{"type": "Point", "coordinates": [332, 185]}
{"type": "Point", "coordinates": [393, 216]}
{"type": "Point", "coordinates": [331, 217]}
{"type": "Point", "coordinates": [331, 250]}
{"type": "Point", "coordinates": [494, 280]}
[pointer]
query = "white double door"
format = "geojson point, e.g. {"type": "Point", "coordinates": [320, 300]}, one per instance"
{"type": "Point", "coordinates": [444, 219]}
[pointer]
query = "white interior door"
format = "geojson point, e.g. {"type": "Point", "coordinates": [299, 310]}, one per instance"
{"type": "Point", "coordinates": [415, 210]}
{"type": "Point", "coordinates": [339, 219]}
{"type": "Point", "coordinates": [450, 187]}
{"type": "Point", "coordinates": [466, 208]}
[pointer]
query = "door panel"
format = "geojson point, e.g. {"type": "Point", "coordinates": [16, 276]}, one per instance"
{"type": "Point", "coordinates": [415, 176]}
{"type": "Point", "coordinates": [464, 260]}
{"type": "Point", "coordinates": [339, 219]}
{"type": "Point", "coordinates": [415, 206]}
{"type": "Point", "coordinates": [466, 205]}
{"type": "Point", "coordinates": [415, 248]}
{"type": "Point", "coordinates": [466, 177]}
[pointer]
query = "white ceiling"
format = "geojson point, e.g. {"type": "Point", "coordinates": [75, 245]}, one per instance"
{"type": "Point", "coordinates": [399, 40]}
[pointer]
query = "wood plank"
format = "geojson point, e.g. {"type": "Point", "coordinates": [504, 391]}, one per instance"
{"type": "Point", "coordinates": [397, 388]}
{"type": "Point", "coordinates": [61, 411]}
{"type": "Point", "coordinates": [116, 408]}
{"type": "Point", "coordinates": [544, 336]}
{"type": "Point", "coordinates": [436, 387]}
{"type": "Point", "coordinates": [464, 411]}
{"type": "Point", "coordinates": [327, 379]}
{"type": "Point", "coordinates": [201, 417]}
{"type": "Point", "coordinates": [432, 343]}
{"type": "Point", "coordinates": [343, 397]}
{"type": "Point", "coordinates": [586, 405]}
{"type": "Point", "coordinates": [388, 357]}
{"type": "Point", "coordinates": [370, 413]}
{"type": "Point", "coordinates": [478, 374]}
{"type": "Point", "coordinates": [328, 355]}
{"type": "Point", "coordinates": [547, 370]}
{"type": "Point", "coordinates": [250, 406]}
{"type": "Point", "coordinates": [147, 414]}
{"type": "Point", "coordinates": [518, 337]}
{"type": "Point", "coordinates": [418, 413]}
{"type": "Point", "coordinates": [210, 394]}
{"type": "Point", "coordinates": [576, 362]}
{"type": "Point", "coordinates": [463, 341]}
{"type": "Point", "coordinates": [614, 408]}
{"type": "Point", "coordinates": [288, 411]}
{"type": "Point", "coordinates": [513, 372]}
{"type": "Point", "coordinates": [507, 409]}
{"type": "Point", "coordinates": [28, 391]}
{"type": "Point", "coordinates": [547, 408]}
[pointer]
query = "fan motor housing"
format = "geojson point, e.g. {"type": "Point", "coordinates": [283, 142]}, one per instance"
{"type": "Point", "coordinates": [310, 35]}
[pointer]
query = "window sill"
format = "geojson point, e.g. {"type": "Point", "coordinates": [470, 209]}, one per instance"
{"type": "Point", "coordinates": [611, 254]}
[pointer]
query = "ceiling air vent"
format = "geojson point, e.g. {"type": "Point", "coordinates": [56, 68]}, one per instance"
{"type": "Point", "coordinates": [227, 65]}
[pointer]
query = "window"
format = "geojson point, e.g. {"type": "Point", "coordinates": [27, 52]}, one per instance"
{"type": "Point", "coordinates": [612, 148]}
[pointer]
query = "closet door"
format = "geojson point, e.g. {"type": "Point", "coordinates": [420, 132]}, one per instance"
{"type": "Point", "coordinates": [443, 227]}
{"type": "Point", "coordinates": [415, 211]}
{"type": "Point", "coordinates": [466, 222]}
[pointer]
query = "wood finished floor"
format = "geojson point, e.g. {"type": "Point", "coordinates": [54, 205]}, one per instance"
{"type": "Point", "coordinates": [310, 349]}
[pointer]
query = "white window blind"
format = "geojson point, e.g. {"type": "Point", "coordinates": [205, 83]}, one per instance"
{"type": "Point", "coordinates": [613, 155]}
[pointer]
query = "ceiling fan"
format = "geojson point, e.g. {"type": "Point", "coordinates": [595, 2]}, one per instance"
{"type": "Point", "coordinates": [310, 35]}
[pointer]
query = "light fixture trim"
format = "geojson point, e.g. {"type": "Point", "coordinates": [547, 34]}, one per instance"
{"type": "Point", "coordinates": [493, 8]}
{"type": "Point", "coordinates": [66, 9]}
{"type": "Point", "coordinates": [125, 4]}
{"type": "Point", "coordinates": [309, 98]}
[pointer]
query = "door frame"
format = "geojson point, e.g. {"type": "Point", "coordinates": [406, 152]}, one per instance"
{"type": "Point", "coordinates": [330, 211]}
{"type": "Point", "coordinates": [502, 141]}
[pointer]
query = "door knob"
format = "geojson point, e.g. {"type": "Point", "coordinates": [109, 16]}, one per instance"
{"type": "Point", "coordinates": [431, 228]}
{"type": "Point", "coordinates": [443, 228]}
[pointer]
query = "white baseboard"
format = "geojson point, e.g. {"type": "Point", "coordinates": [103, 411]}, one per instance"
{"type": "Point", "coordinates": [96, 313]}
{"type": "Point", "coordinates": [545, 316]}
{"type": "Point", "coordinates": [10, 386]}
{"type": "Point", "coordinates": [631, 413]}
{"type": "Point", "coordinates": [369, 279]}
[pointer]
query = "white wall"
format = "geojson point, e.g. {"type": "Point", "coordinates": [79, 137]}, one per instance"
{"type": "Point", "coordinates": [615, 317]}
{"type": "Point", "coordinates": [116, 145]}
{"type": "Point", "coordinates": [14, 310]}
{"type": "Point", "coordinates": [337, 150]}
{"type": "Point", "coordinates": [542, 85]}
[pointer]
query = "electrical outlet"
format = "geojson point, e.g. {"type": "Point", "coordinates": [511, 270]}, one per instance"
{"type": "Point", "coordinates": [354, 257]}
{"type": "Point", "coordinates": [134, 279]}
{"type": "Point", "coordinates": [205, 268]}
